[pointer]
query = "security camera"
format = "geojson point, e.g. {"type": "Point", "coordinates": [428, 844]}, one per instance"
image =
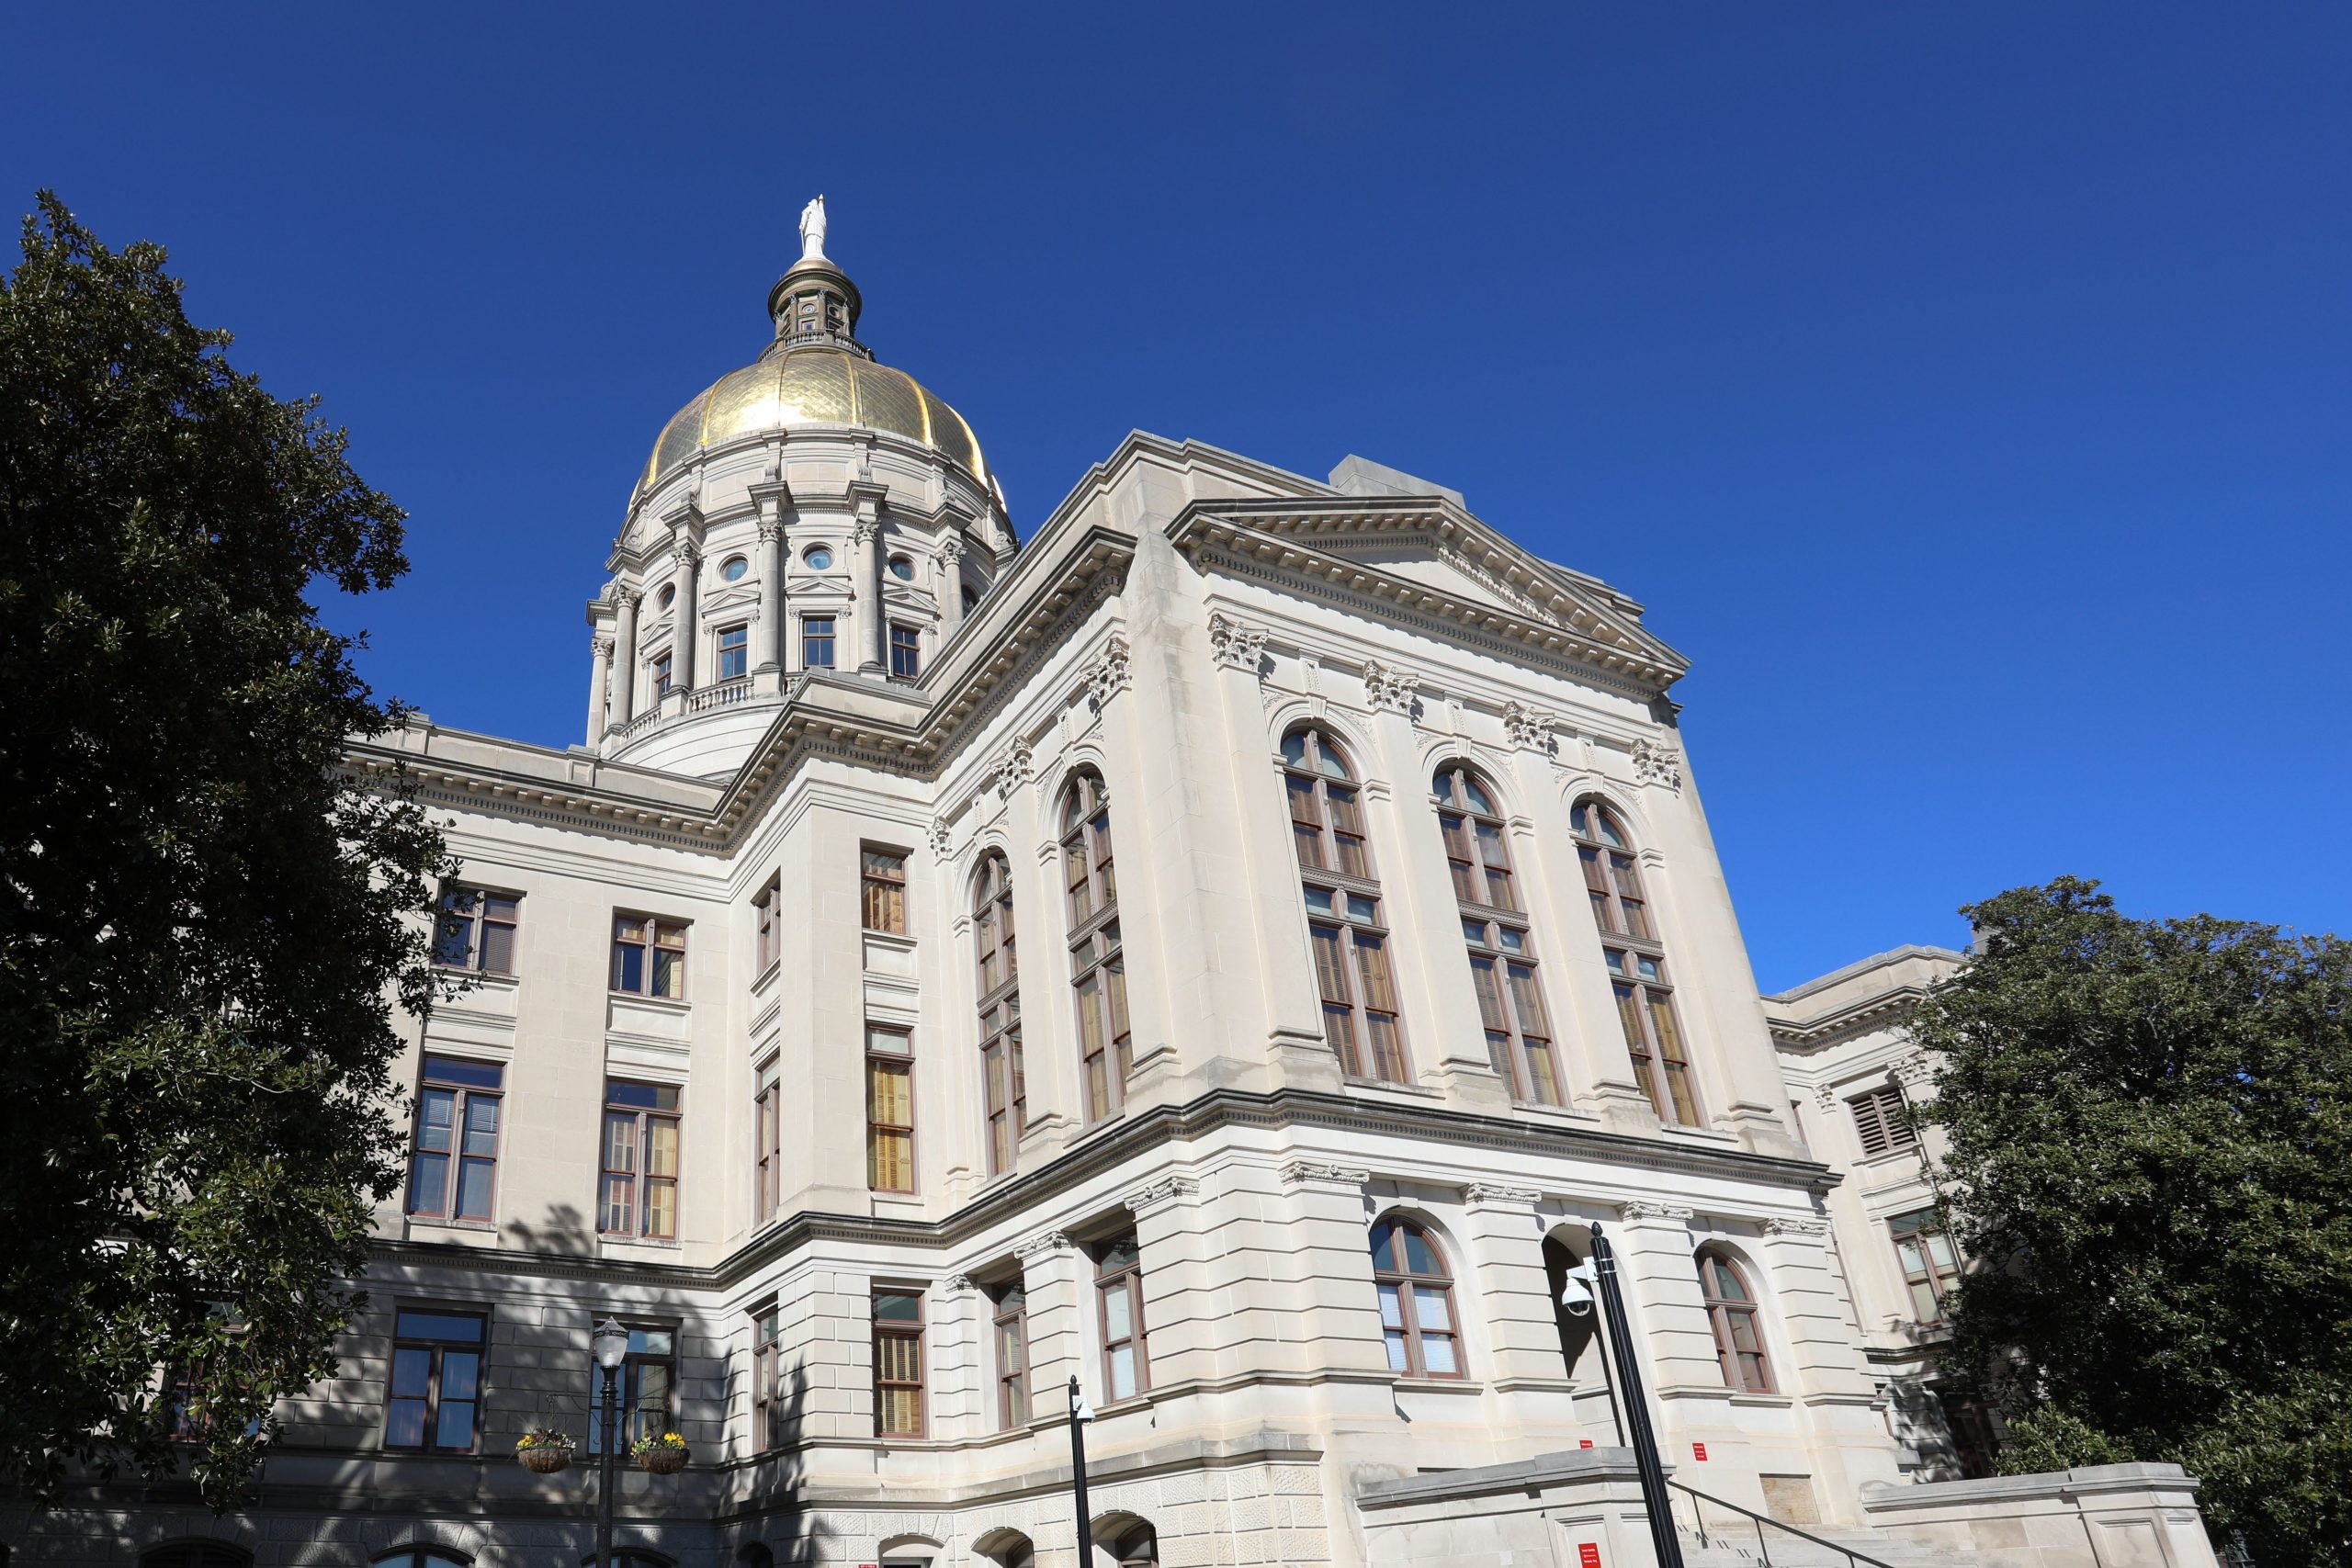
{"type": "Point", "coordinates": [1576, 1293]}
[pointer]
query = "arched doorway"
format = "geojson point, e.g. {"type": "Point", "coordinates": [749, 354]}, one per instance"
{"type": "Point", "coordinates": [1583, 1349]}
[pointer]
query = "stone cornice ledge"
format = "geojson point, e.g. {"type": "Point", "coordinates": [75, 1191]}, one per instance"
{"type": "Point", "coordinates": [2090, 1480]}
{"type": "Point", "coordinates": [1522, 1475]}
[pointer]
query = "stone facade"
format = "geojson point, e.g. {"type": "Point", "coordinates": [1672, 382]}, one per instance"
{"type": "Point", "coordinates": [823, 836]}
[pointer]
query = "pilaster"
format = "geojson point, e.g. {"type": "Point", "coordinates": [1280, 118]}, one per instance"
{"type": "Point", "coordinates": [1507, 1290]}
{"type": "Point", "coordinates": [623, 703]}
{"type": "Point", "coordinates": [1176, 1297]}
{"type": "Point", "coordinates": [1052, 1272]}
{"type": "Point", "coordinates": [954, 1333]}
{"type": "Point", "coordinates": [600, 673]}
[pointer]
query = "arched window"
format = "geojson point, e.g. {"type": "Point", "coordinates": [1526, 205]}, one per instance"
{"type": "Point", "coordinates": [1502, 958]}
{"type": "Point", "coordinates": [1098, 969]}
{"type": "Point", "coordinates": [210, 1554]}
{"type": "Point", "coordinates": [1005, 1093]}
{"type": "Point", "coordinates": [1731, 1309]}
{"type": "Point", "coordinates": [1343, 916]}
{"type": "Point", "coordinates": [1636, 960]}
{"type": "Point", "coordinates": [1416, 1301]}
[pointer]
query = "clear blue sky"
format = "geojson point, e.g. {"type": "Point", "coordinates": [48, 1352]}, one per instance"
{"type": "Point", "coordinates": [1967, 390]}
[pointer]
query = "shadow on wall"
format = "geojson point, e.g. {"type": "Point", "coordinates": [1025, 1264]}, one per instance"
{"type": "Point", "coordinates": [564, 1233]}
{"type": "Point", "coordinates": [767, 1523]}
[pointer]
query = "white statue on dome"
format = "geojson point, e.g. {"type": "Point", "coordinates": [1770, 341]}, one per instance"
{"type": "Point", "coordinates": [812, 230]}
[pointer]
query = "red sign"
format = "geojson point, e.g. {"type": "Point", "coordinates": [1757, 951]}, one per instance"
{"type": "Point", "coordinates": [1698, 1451]}
{"type": "Point", "coordinates": [1583, 1442]}
{"type": "Point", "coordinates": [1588, 1555]}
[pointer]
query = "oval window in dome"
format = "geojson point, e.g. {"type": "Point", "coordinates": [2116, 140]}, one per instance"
{"type": "Point", "coordinates": [669, 592]}
{"type": "Point", "coordinates": [818, 559]}
{"type": "Point", "coordinates": [734, 569]}
{"type": "Point", "coordinates": [902, 568]}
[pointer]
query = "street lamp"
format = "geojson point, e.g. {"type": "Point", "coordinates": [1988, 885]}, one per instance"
{"type": "Point", "coordinates": [1579, 1296]}
{"type": "Point", "coordinates": [1080, 1415]}
{"type": "Point", "coordinates": [610, 1347]}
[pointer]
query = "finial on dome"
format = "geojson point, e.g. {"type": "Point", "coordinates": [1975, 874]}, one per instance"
{"type": "Point", "coordinates": [812, 230]}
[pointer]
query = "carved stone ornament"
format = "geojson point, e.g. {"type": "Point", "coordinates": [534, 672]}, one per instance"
{"type": "Point", "coordinates": [1827, 1098]}
{"type": "Point", "coordinates": [602, 647]}
{"type": "Point", "coordinates": [1642, 1209]}
{"type": "Point", "coordinates": [1109, 676]}
{"type": "Point", "coordinates": [1389, 691]}
{"type": "Point", "coordinates": [1659, 766]}
{"type": "Point", "coordinates": [954, 1284]}
{"type": "Point", "coordinates": [1528, 728]}
{"type": "Point", "coordinates": [865, 531]}
{"type": "Point", "coordinates": [1915, 1072]}
{"type": "Point", "coordinates": [1322, 1173]}
{"type": "Point", "coordinates": [690, 553]}
{"type": "Point", "coordinates": [939, 839]}
{"type": "Point", "coordinates": [771, 530]}
{"type": "Point", "coordinates": [1237, 643]}
{"type": "Point", "coordinates": [1043, 1242]}
{"type": "Point", "coordinates": [1168, 1188]}
{"type": "Point", "coordinates": [1013, 770]}
{"type": "Point", "coordinates": [951, 550]}
{"type": "Point", "coordinates": [1792, 1226]}
{"type": "Point", "coordinates": [1507, 1197]}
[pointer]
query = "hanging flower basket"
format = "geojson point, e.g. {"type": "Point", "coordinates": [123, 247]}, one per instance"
{"type": "Point", "coordinates": [664, 1455]}
{"type": "Point", "coordinates": [544, 1452]}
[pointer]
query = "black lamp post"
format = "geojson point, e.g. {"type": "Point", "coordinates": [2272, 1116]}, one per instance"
{"type": "Point", "coordinates": [1632, 1410]}
{"type": "Point", "coordinates": [1082, 1413]}
{"type": "Point", "coordinates": [610, 1346]}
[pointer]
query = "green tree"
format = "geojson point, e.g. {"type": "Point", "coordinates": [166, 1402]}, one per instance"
{"type": "Point", "coordinates": [203, 933]}
{"type": "Point", "coordinates": [2150, 1127]}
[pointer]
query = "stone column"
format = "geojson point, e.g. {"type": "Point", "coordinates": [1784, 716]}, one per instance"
{"type": "Point", "coordinates": [1052, 1272]}
{"type": "Point", "coordinates": [950, 562]}
{"type": "Point", "coordinates": [1504, 1288]}
{"type": "Point", "coordinates": [956, 1313]}
{"type": "Point", "coordinates": [1167, 1223]}
{"type": "Point", "coordinates": [600, 673]}
{"type": "Point", "coordinates": [683, 628]}
{"type": "Point", "coordinates": [770, 597]}
{"type": "Point", "coordinates": [624, 655]}
{"type": "Point", "coordinates": [873, 631]}
{"type": "Point", "coordinates": [1656, 1264]}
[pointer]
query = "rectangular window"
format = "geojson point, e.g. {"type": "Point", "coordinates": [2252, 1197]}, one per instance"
{"type": "Point", "coordinates": [898, 1364]}
{"type": "Point", "coordinates": [187, 1387]}
{"type": "Point", "coordinates": [767, 1141]}
{"type": "Point", "coordinates": [650, 957]}
{"type": "Point", "coordinates": [1879, 1118]}
{"type": "Point", "coordinates": [734, 652]}
{"type": "Point", "coordinates": [1013, 1357]}
{"type": "Point", "coordinates": [768, 1404]}
{"type": "Point", "coordinates": [1929, 1266]}
{"type": "Point", "coordinates": [643, 1386]}
{"type": "Point", "coordinates": [906, 652]}
{"type": "Point", "coordinates": [766, 934]}
{"type": "Point", "coordinates": [453, 1163]}
{"type": "Point", "coordinates": [662, 677]}
{"type": "Point", "coordinates": [1118, 1294]}
{"type": "Point", "coordinates": [436, 1382]}
{"type": "Point", "coordinates": [476, 931]}
{"type": "Point", "coordinates": [640, 1176]}
{"type": "Point", "coordinates": [817, 642]}
{"type": "Point", "coordinates": [889, 1110]}
{"type": "Point", "coordinates": [884, 878]}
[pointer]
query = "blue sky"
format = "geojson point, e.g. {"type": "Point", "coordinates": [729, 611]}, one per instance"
{"type": "Point", "coordinates": [1966, 389]}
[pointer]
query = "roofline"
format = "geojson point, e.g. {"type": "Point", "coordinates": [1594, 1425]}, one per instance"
{"type": "Point", "coordinates": [1862, 966]}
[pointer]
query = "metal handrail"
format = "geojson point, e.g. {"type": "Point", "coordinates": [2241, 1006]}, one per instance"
{"type": "Point", "coordinates": [1760, 1520]}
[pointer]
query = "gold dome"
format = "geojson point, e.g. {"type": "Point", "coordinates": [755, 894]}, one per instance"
{"type": "Point", "coordinates": [814, 384]}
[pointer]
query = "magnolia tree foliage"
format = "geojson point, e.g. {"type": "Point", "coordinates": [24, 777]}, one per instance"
{"type": "Point", "coordinates": [205, 935]}
{"type": "Point", "coordinates": [2150, 1127]}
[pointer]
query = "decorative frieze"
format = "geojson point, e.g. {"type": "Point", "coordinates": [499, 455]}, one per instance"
{"type": "Point", "coordinates": [1109, 675]}
{"type": "Point", "coordinates": [1643, 1209]}
{"type": "Point", "coordinates": [1791, 1224]}
{"type": "Point", "coordinates": [1499, 1196]}
{"type": "Point", "coordinates": [1659, 766]}
{"type": "Point", "coordinates": [1237, 645]}
{"type": "Point", "coordinates": [1322, 1173]}
{"type": "Point", "coordinates": [1044, 1243]}
{"type": "Point", "coordinates": [1167, 1189]}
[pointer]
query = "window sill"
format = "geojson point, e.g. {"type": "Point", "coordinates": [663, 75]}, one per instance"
{"type": "Point", "coordinates": [898, 940]}
{"type": "Point", "coordinates": [670, 1004]}
{"type": "Point", "coordinates": [1418, 1091]}
{"type": "Point", "coordinates": [467, 1229]}
{"type": "Point", "coordinates": [1764, 1401]}
{"type": "Point", "coordinates": [489, 979]}
{"type": "Point", "coordinates": [1404, 1384]}
{"type": "Point", "coordinates": [1698, 1135]}
{"type": "Point", "coordinates": [609, 1245]}
{"type": "Point", "coordinates": [761, 981]}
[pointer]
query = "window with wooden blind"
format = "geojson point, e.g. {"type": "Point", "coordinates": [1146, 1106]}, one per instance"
{"type": "Point", "coordinates": [1345, 929]}
{"type": "Point", "coordinates": [1635, 957]}
{"type": "Point", "coordinates": [453, 1163]}
{"type": "Point", "coordinates": [1010, 1322]}
{"type": "Point", "coordinates": [1501, 946]}
{"type": "Point", "coordinates": [1879, 1118]}
{"type": "Point", "coordinates": [1003, 1082]}
{"type": "Point", "coordinates": [1118, 1295]}
{"type": "Point", "coordinates": [898, 1363]}
{"type": "Point", "coordinates": [883, 875]}
{"type": "Point", "coordinates": [650, 957]}
{"type": "Point", "coordinates": [769, 1406]}
{"type": "Point", "coordinates": [767, 1140]}
{"type": "Point", "coordinates": [767, 929]}
{"type": "Point", "coordinates": [1930, 1268]}
{"type": "Point", "coordinates": [1097, 961]}
{"type": "Point", "coordinates": [639, 1195]}
{"type": "Point", "coordinates": [476, 931]}
{"type": "Point", "coordinates": [1731, 1311]}
{"type": "Point", "coordinates": [1416, 1301]}
{"type": "Point", "coordinates": [889, 1110]}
